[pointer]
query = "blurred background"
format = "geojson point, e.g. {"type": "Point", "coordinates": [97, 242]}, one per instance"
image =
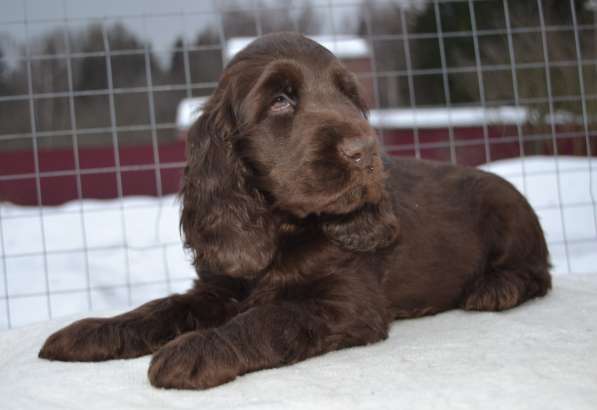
{"type": "Point", "coordinates": [96, 98]}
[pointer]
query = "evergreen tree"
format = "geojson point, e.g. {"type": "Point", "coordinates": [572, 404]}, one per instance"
{"type": "Point", "coordinates": [385, 20]}
{"type": "Point", "coordinates": [177, 66]}
{"type": "Point", "coordinates": [4, 90]}
{"type": "Point", "coordinates": [459, 50]}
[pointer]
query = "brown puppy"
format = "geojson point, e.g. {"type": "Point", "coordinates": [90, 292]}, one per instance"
{"type": "Point", "coordinates": [306, 238]}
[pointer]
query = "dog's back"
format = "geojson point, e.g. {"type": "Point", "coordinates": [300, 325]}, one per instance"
{"type": "Point", "coordinates": [468, 239]}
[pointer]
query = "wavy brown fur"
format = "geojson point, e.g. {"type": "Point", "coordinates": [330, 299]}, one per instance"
{"type": "Point", "coordinates": [306, 238]}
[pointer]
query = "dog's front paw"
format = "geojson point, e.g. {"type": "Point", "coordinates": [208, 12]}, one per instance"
{"type": "Point", "coordinates": [87, 340]}
{"type": "Point", "coordinates": [196, 360]}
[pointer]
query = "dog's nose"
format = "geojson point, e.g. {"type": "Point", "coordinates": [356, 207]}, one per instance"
{"type": "Point", "coordinates": [359, 150]}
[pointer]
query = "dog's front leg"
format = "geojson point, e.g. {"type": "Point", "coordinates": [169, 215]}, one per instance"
{"type": "Point", "coordinates": [143, 330]}
{"type": "Point", "coordinates": [263, 337]}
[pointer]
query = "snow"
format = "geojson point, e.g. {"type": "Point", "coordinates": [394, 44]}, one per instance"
{"type": "Point", "coordinates": [112, 254]}
{"type": "Point", "coordinates": [343, 46]}
{"type": "Point", "coordinates": [188, 110]}
{"type": "Point", "coordinates": [393, 118]}
{"type": "Point", "coordinates": [100, 254]}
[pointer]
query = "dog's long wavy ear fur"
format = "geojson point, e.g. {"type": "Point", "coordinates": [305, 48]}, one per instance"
{"type": "Point", "coordinates": [225, 222]}
{"type": "Point", "coordinates": [369, 228]}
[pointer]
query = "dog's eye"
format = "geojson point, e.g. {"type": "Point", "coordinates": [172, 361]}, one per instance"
{"type": "Point", "coordinates": [281, 103]}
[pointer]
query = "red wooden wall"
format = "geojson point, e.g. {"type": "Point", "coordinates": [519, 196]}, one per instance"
{"type": "Point", "coordinates": [99, 175]}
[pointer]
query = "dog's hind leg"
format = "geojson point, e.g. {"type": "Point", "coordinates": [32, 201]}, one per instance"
{"type": "Point", "coordinates": [516, 264]}
{"type": "Point", "coordinates": [505, 289]}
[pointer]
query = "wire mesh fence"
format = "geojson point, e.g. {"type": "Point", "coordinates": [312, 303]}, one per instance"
{"type": "Point", "coordinates": [91, 150]}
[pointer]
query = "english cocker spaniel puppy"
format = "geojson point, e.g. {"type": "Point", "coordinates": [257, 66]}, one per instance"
{"type": "Point", "coordinates": [306, 238]}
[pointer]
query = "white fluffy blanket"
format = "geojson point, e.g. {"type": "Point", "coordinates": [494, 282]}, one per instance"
{"type": "Point", "coordinates": [542, 355]}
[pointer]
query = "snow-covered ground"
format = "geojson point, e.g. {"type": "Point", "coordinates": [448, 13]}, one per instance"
{"type": "Point", "coordinates": [99, 255]}
{"type": "Point", "coordinates": [110, 254]}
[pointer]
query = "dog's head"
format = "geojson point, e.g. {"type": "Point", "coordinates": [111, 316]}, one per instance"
{"type": "Point", "coordinates": [285, 132]}
{"type": "Point", "coordinates": [301, 127]}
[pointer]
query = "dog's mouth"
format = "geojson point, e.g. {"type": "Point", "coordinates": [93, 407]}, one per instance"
{"type": "Point", "coordinates": [325, 190]}
{"type": "Point", "coordinates": [349, 200]}
{"type": "Point", "coordinates": [341, 202]}
{"type": "Point", "coordinates": [354, 197]}
{"type": "Point", "coordinates": [365, 188]}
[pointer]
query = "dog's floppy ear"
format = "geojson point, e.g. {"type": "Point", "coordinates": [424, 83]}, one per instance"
{"type": "Point", "coordinates": [226, 223]}
{"type": "Point", "coordinates": [374, 226]}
